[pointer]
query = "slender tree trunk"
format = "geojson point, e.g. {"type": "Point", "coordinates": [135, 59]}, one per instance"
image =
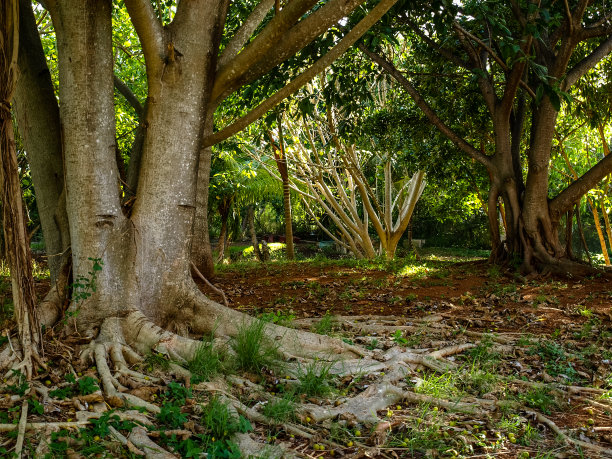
{"type": "Point", "coordinates": [14, 222]}
{"type": "Point", "coordinates": [201, 251]}
{"type": "Point", "coordinates": [604, 212]}
{"type": "Point", "coordinates": [581, 232]}
{"type": "Point", "coordinates": [38, 119]}
{"type": "Point", "coordinates": [224, 210]}
{"type": "Point", "coordinates": [591, 204]}
{"type": "Point", "coordinates": [569, 223]}
{"type": "Point", "coordinates": [254, 241]}
{"type": "Point", "coordinates": [281, 163]}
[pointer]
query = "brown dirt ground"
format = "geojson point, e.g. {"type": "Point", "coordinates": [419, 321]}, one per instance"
{"type": "Point", "coordinates": [470, 294]}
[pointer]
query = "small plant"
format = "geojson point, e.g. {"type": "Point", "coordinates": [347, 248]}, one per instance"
{"type": "Point", "coordinates": [483, 355]}
{"type": "Point", "coordinates": [315, 378]}
{"type": "Point", "coordinates": [21, 387]}
{"type": "Point", "coordinates": [325, 325]}
{"type": "Point", "coordinates": [555, 360]}
{"type": "Point", "coordinates": [172, 416]}
{"type": "Point", "coordinates": [87, 385]}
{"type": "Point", "coordinates": [83, 287]}
{"type": "Point", "coordinates": [540, 399]}
{"type": "Point", "coordinates": [479, 380]}
{"type": "Point", "coordinates": [372, 345]}
{"type": "Point", "coordinates": [207, 362]}
{"type": "Point", "coordinates": [278, 317]}
{"type": "Point", "coordinates": [156, 360]}
{"type": "Point", "coordinates": [221, 424]}
{"type": "Point", "coordinates": [398, 337]}
{"type": "Point", "coordinates": [281, 410]}
{"type": "Point", "coordinates": [177, 393]}
{"type": "Point", "coordinates": [440, 386]}
{"type": "Point", "coordinates": [254, 350]}
{"type": "Point", "coordinates": [494, 272]}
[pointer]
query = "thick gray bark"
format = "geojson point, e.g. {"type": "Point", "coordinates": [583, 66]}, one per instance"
{"type": "Point", "coordinates": [97, 224]}
{"type": "Point", "coordinates": [145, 258]}
{"type": "Point", "coordinates": [39, 123]}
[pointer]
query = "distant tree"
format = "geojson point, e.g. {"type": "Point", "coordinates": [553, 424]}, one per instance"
{"type": "Point", "coordinates": [523, 58]}
{"type": "Point", "coordinates": [329, 172]}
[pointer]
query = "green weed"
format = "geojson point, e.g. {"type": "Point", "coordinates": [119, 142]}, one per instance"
{"type": "Point", "coordinates": [479, 381]}
{"type": "Point", "coordinates": [207, 362]}
{"type": "Point", "coordinates": [315, 378]}
{"type": "Point", "coordinates": [540, 399]}
{"type": "Point", "coordinates": [281, 410]}
{"type": "Point", "coordinates": [254, 350]}
{"type": "Point", "coordinates": [482, 355]}
{"type": "Point", "coordinates": [326, 325]}
{"type": "Point", "coordinates": [439, 386]}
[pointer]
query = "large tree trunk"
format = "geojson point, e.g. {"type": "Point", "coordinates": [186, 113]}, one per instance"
{"type": "Point", "coordinates": [38, 120]}
{"type": "Point", "coordinates": [132, 273]}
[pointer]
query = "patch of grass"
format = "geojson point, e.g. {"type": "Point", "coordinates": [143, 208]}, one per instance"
{"type": "Point", "coordinates": [254, 350]}
{"type": "Point", "coordinates": [315, 378]}
{"type": "Point", "coordinates": [207, 362]}
{"type": "Point", "coordinates": [422, 434]}
{"type": "Point", "coordinates": [479, 381]}
{"type": "Point", "coordinates": [482, 354]}
{"type": "Point", "coordinates": [281, 410]}
{"type": "Point", "coordinates": [326, 325]}
{"type": "Point", "coordinates": [156, 360]}
{"type": "Point", "coordinates": [219, 420]}
{"type": "Point", "coordinates": [540, 399]}
{"type": "Point", "coordinates": [440, 386]}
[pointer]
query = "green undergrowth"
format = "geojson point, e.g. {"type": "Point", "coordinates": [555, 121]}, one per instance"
{"type": "Point", "coordinates": [253, 348]}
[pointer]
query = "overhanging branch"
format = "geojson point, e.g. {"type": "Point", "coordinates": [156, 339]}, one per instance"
{"type": "Point", "coordinates": [568, 197]}
{"type": "Point", "coordinates": [305, 77]}
{"type": "Point", "coordinates": [244, 32]}
{"type": "Point", "coordinates": [586, 64]}
{"type": "Point", "coordinates": [426, 109]}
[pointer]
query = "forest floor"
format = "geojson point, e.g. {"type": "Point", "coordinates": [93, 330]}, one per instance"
{"type": "Point", "coordinates": [463, 360]}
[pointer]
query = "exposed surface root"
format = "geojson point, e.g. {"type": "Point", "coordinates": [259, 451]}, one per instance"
{"type": "Point", "coordinates": [151, 450]}
{"type": "Point", "coordinates": [603, 452]}
{"type": "Point", "coordinates": [209, 317]}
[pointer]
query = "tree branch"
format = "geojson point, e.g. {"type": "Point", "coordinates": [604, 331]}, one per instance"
{"type": "Point", "coordinates": [244, 32]}
{"type": "Point", "coordinates": [586, 64]}
{"type": "Point", "coordinates": [514, 80]}
{"type": "Point", "coordinates": [129, 96]}
{"type": "Point", "coordinates": [259, 47]}
{"type": "Point", "coordinates": [306, 76]}
{"type": "Point", "coordinates": [447, 53]}
{"type": "Point", "coordinates": [486, 87]}
{"type": "Point", "coordinates": [568, 197]}
{"type": "Point", "coordinates": [296, 38]}
{"type": "Point", "coordinates": [149, 31]}
{"type": "Point", "coordinates": [427, 110]}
